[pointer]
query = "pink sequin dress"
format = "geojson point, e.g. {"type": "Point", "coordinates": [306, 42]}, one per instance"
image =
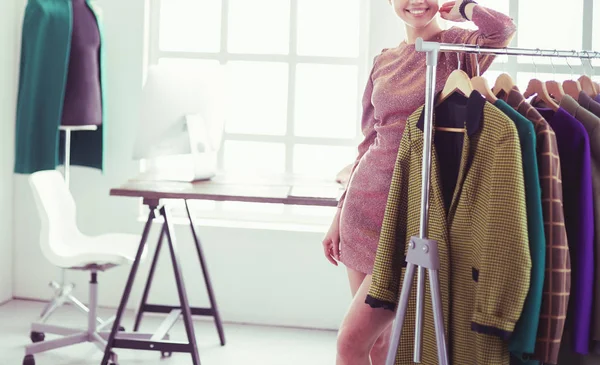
{"type": "Point", "coordinates": [395, 89]}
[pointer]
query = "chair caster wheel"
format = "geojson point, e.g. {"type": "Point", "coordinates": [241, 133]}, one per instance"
{"type": "Point", "coordinates": [29, 360]}
{"type": "Point", "coordinates": [37, 336]}
{"type": "Point", "coordinates": [121, 329]}
{"type": "Point", "coordinates": [164, 354]}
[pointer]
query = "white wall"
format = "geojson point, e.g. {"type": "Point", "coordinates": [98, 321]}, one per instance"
{"type": "Point", "coordinates": [259, 276]}
{"type": "Point", "coordinates": [8, 78]}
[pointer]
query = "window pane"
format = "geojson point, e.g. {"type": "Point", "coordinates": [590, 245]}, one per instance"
{"type": "Point", "coordinates": [328, 27]}
{"type": "Point", "coordinates": [254, 158]}
{"type": "Point", "coordinates": [258, 97]}
{"type": "Point", "coordinates": [596, 28]}
{"type": "Point", "coordinates": [190, 25]}
{"type": "Point", "coordinates": [188, 64]}
{"type": "Point", "coordinates": [259, 26]}
{"type": "Point", "coordinates": [491, 77]}
{"type": "Point", "coordinates": [322, 161]}
{"type": "Point", "coordinates": [538, 27]}
{"type": "Point", "coordinates": [523, 78]}
{"type": "Point", "coordinates": [326, 101]}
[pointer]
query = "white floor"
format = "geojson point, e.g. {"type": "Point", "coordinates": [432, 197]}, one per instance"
{"type": "Point", "coordinates": [246, 344]}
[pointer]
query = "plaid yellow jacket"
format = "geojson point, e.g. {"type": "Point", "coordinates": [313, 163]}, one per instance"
{"type": "Point", "coordinates": [483, 240]}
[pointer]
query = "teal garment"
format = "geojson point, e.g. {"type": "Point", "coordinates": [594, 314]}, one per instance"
{"type": "Point", "coordinates": [522, 342]}
{"type": "Point", "coordinates": [45, 49]}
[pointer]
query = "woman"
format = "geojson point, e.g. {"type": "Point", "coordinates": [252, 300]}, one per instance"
{"type": "Point", "coordinates": [396, 88]}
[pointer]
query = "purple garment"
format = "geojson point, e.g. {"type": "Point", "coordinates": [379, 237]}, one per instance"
{"type": "Point", "coordinates": [597, 98]}
{"type": "Point", "coordinates": [575, 161]}
{"type": "Point", "coordinates": [83, 100]}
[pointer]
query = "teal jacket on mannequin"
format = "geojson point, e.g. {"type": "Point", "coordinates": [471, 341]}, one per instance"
{"type": "Point", "coordinates": [45, 49]}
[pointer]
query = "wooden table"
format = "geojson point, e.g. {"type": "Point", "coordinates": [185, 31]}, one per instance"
{"type": "Point", "coordinates": [220, 188]}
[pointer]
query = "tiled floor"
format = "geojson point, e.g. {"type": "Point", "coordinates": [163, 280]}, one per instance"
{"type": "Point", "coordinates": [246, 344]}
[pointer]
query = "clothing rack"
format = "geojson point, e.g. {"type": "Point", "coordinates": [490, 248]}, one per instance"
{"type": "Point", "coordinates": [423, 253]}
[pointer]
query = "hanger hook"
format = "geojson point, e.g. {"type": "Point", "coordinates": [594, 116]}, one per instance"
{"type": "Point", "coordinates": [570, 67]}
{"type": "Point", "coordinates": [533, 60]}
{"type": "Point", "coordinates": [552, 63]}
{"type": "Point", "coordinates": [477, 60]}
{"type": "Point", "coordinates": [458, 59]}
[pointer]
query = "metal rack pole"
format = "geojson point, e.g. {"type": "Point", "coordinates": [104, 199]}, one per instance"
{"type": "Point", "coordinates": [423, 252]}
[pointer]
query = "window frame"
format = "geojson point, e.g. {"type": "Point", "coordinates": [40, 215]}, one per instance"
{"type": "Point", "coordinates": [288, 214]}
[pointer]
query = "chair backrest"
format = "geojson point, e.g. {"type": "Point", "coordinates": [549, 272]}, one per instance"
{"type": "Point", "coordinates": [57, 212]}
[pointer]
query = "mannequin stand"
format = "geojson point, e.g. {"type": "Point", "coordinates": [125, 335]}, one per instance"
{"type": "Point", "coordinates": [62, 291]}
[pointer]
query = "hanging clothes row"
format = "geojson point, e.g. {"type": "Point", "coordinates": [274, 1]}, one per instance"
{"type": "Point", "coordinates": [515, 209]}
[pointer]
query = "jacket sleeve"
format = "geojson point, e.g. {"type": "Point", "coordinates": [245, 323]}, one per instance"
{"type": "Point", "coordinates": [390, 258]}
{"type": "Point", "coordinates": [505, 265]}
{"type": "Point", "coordinates": [368, 129]}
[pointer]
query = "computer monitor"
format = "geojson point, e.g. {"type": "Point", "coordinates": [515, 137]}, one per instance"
{"type": "Point", "coordinates": [182, 114]}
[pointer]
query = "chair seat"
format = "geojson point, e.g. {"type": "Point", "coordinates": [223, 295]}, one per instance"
{"type": "Point", "coordinates": [110, 249]}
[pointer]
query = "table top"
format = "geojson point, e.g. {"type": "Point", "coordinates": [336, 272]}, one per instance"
{"type": "Point", "coordinates": [221, 188]}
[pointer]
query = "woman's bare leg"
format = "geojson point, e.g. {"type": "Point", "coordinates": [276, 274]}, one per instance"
{"type": "Point", "coordinates": [363, 328]}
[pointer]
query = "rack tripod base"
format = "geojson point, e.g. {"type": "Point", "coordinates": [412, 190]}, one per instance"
{"type": "Point", "coordinates": [422, 253]}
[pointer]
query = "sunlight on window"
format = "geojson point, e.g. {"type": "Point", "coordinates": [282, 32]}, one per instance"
{"type": "Point", "coordinates": [328, 28]}
{"type": "Point", "coordinates": [190, 25]}
{"type": "Point", "coordinates": [596, 27]}
{"type": "Point", "coordinates": [258, 97]}
{"type": "Point", "coordinates": [259, 26]}
{"type": "Point", "coordinates": [254, 158]}
{"type": "Point", "coordinates": [326, 101]}
{"type": "Point", "coordinates": [491, 77]}
{"type": "Point", "coordinates": [541, 25]}
{"type": "Point", "coordinates": [322, 161]}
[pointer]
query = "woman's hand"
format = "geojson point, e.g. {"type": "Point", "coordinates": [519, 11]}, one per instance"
{"type": "Point", "coordinates": [450, 11]}
{"type": "Point", "coordinates": [331, 242]}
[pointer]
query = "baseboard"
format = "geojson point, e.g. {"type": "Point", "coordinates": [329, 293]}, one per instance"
{"type": "Point", "coordinates": [6, 301]}
{"type": "Point", "coordinates": [198, 318]}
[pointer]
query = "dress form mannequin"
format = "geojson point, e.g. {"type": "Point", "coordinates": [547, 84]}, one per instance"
{"type": "Point", "coordinates": [83, 100]}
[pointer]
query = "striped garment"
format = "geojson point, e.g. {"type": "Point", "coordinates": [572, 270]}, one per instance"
{"type": "Point", "coordinates": [557, 282]}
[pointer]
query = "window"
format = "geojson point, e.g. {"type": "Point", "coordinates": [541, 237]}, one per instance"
{"type": "Point", "coordinates": [294, 86]}
{"type": "Point", "coordinates": [541, 24]}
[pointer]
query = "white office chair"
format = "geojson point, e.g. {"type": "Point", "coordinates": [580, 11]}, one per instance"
{"type": "Point", "coordinates": [65, 246]}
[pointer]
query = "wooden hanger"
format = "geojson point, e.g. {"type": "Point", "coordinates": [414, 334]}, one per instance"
{"type": "Point", "coordinates": [458, 81]}
{"type": "Point", "coordinates": [587, 85]}
{"type": "Point", "coordinates": [555, 89]}
{"type": "Point", "coordinates": [537, 87]}
{"type": "Point", "coordinates": [572, 88]}
{"type": "Point", "coordinates": [480, 84]}
{"type": "Point", "coordinates": [503, 83]}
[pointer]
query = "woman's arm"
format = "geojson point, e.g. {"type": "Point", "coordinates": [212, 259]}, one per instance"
{"type": "Point", "coordinates": [495, 29]}
{"type": "Point", "coordinates": [367, 127]}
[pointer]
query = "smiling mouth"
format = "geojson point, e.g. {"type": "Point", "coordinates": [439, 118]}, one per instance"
{"type": "Point", "coordinates": [417, 12]}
